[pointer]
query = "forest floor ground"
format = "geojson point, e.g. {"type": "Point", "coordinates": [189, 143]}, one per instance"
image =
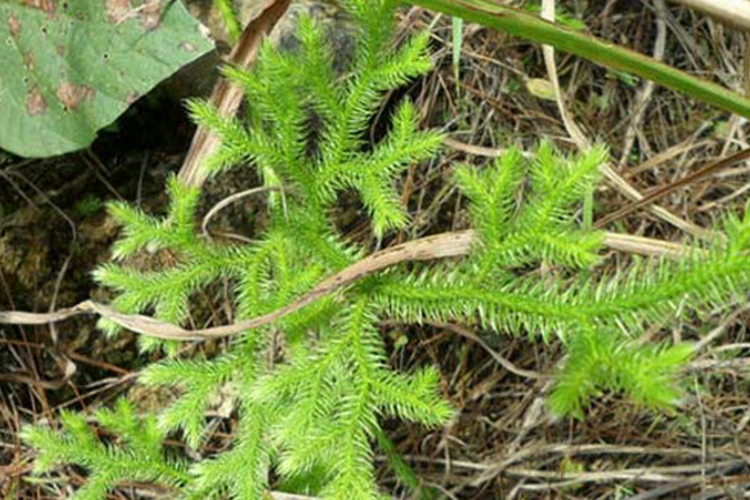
{"type": "Point", "coordinates": [54, 231]}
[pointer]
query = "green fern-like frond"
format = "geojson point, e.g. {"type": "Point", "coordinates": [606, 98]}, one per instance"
{"type": "Point", "coordinates": [139, 456]}
{"type": "Point", "coordinates": [241, 472]}
{"type": "Point", "coordinates": [200, 381]}
{"type": "Point", "coordinates": [542, 228]}
{"type": "Point", "coordinates": [600, 360]}
{"type": "Point", "coordinates": [493, 193]}
{"type": "Point", "coordinates": [141, 231]}
{"type": "Point", "coordinates": [646, 292]}
{"type": "Point", "coordinates": [327, 391]}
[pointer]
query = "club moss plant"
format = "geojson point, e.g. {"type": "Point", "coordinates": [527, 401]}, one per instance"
{"type": "Point", "coordinates": [310, 390]}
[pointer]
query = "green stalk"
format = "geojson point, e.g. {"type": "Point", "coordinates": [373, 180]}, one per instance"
{"type": "Point", "coordinates": [530, 27]}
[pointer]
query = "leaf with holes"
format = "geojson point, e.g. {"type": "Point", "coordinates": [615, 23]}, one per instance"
{"type": "Point", "coordinates": [71, 67]}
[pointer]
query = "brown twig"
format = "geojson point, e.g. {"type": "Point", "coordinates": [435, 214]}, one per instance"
{"type": "Point", "coordinates": [665, 190]}
{"type": "Point", "coordinates": [440, 246]}
{"type": "Point", "coordinates": [227, 96]}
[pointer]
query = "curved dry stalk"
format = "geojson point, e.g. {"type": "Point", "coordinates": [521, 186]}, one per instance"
{"type": "Point", "coordinates": [221, 205]}
{"type": "Point", "coordinates": [440, 246]}
{"type": "Point", "coordinates": [734, 12]}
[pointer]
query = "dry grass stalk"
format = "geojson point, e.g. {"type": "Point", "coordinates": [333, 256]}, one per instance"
{"type": "Point", "coordinates": [227, 96]}
{"type": "Point", "coordinates": [733, 12]}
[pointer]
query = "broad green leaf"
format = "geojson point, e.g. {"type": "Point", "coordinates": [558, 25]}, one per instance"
{"type": "Point", "coordinates": [71, 67]}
